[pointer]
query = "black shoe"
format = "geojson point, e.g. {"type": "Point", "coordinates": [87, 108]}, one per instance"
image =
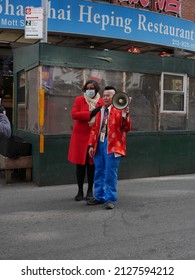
{"type": "Point", "coordinates": [89, 195]}
{"type": "Point", "coordinates": [93, 201]}
{"type": "Point", "coordinates": [79, 196]}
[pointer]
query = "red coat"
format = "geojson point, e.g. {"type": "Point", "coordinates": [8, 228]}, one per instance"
{"type": "Point", "coordinates": [81, 130]}
{"type": "Point", "coordinates": [117, 129]}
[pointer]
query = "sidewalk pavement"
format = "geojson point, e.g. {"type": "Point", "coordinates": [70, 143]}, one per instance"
{"type": "Point", "coordinates": [154, 220]}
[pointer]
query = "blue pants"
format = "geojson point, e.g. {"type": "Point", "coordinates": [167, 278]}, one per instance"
{"type": "Point", "coordinates": [106, 174]}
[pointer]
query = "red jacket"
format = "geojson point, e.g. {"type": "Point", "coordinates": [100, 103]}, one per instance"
{"type": "Point", "coordinates": [117, 129]}
{"type": "Point", "coordinates": [81, 130]}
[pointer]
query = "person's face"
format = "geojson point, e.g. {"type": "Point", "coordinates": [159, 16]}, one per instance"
{"type": "Point", "coordinates": [90, 90]}
{"type": "Point", "coordinates": [107, 97]}
{"type": "Point", "coordinates": [90, 86]}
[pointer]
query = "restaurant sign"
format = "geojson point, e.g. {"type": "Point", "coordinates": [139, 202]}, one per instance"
{"type": "Point", "coordinates": [105, 20]}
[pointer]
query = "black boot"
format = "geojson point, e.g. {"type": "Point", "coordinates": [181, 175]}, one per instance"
{"type": "Point", "coordinates": [80, 174]}
{"type": "Point", "coordinates": [90, 176]}
{"type": "Point", "coordinates": [89, 193]}
{"type": "Point", "coordinates": [79, 195]}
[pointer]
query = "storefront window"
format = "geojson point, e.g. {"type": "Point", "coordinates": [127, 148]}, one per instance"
{"type": "Point", "coordinates": [21, 100]}
{"type": "Point", "coordinates": [61, 86]}
{"type": "Point", "coordinates": [144, 107]}
{"type": "Point", "coordinates": [28, 88]}
{"type": "Point", "coordinates": [173, 102]}
{"type": "Point", "coordinates": [173, 93]}
{"type": "Point", "coordinates": [151, 109]}
{"type": "Point", "coordinates": [106, 78]}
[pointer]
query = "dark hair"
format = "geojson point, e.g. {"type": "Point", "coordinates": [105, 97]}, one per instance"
{"type": "Point", "coordinates": [94, 83]}
{"type": "Point", "coordinates": [109, 87]}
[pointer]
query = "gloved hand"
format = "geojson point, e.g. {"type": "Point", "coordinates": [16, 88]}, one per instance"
{"type": "Point", "coordinates": [95, 111]}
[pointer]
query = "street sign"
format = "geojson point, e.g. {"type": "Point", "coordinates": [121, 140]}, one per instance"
{"type": "Point", "coordinates": [34, 23]}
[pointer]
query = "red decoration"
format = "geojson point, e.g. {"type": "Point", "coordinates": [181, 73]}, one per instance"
{"type": "Point", "coordinates": [134, 50]}
{"type": "Point", "coordinates": [169, 5]}
{"type": "Point", "coordinates": [164, 54]}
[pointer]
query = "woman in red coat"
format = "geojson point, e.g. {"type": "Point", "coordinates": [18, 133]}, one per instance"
{"type": "Point", "coordinates": [84, 109]}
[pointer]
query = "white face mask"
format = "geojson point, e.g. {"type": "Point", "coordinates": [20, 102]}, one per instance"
{"type": "Point", "coordinates": [90, 93]}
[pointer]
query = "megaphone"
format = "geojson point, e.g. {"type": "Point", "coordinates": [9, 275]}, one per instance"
{"type": "Point", "coordinates": [120, 100]}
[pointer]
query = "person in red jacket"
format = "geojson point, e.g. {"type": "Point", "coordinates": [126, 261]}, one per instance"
{"type": "Point", "coordinates": [84, 109]}
{"type": "Point", "coordinates": [107, 143]}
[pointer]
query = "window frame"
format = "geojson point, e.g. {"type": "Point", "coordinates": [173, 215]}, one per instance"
{"type": "Point", "coordinates": [183, 92]}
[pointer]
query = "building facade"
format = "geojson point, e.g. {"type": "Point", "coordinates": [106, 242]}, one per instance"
{"type": "Point", "coordinates": [144, 48]}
